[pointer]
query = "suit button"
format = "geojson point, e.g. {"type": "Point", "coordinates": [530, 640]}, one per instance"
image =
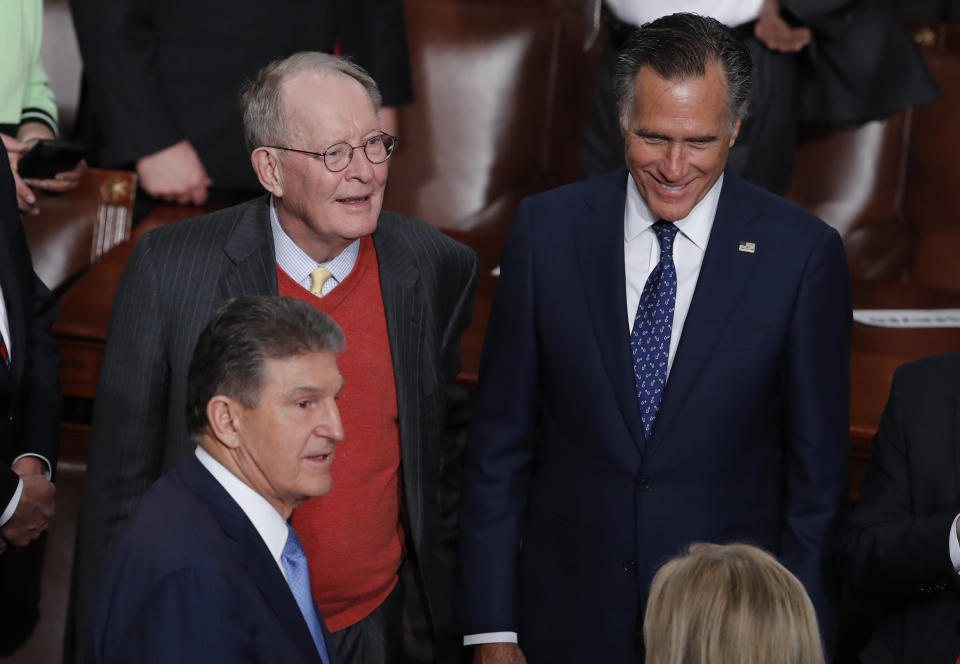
{"type": "Point", "coordinates": [644, 483]}
{"type": "Point", "coordinates": [629, 566]}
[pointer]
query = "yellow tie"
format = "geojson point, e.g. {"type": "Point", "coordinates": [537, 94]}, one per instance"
{"type": "Point", "coordinates": [318, 278]}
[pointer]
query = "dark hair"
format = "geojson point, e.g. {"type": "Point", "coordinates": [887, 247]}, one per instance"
{"type": "Point", "coordinates": [678, 47]}
{"type": "Point", "coordinates": [245, 331]}
{"type": "Point", "coordinates": [261, 103]}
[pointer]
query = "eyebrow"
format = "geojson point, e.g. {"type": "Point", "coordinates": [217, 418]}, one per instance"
{"type": "Point", "coordinates": [646, 133]}
{"type": "Point", "coordinates": [313, 389]}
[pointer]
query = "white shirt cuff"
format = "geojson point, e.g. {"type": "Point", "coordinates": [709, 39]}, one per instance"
{"type": "Point", "coordinates": [46, 462]}
{"type": "Point", "coordinates": [489, 637]}
{"type": "Point", "coordinates": [12, 505]}
{"type": "Point", "coordinates": [954, 545]}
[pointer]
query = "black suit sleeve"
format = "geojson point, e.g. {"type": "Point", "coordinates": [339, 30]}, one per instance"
{"type": "Point", "coordinates": [120, 50]}
{"type": "Point", "coordinates": [458, 404]}
{"type": "Point", "coordinates": [129, 431]}
{"type": "Point", "coordinates": [374, 33]}
{"type": "Point", "coordinates": [896, 545]}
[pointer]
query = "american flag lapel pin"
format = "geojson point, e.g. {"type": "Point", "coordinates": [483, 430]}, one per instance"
{"type": "Point", "coordinates": [747, 247]}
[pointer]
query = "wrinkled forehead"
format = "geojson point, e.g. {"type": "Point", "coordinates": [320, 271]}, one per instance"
{"type": "Point", "coordinates": [317, 104]}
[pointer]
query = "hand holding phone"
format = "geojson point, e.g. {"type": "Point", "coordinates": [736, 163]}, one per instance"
{"type": "Point", "coordinates": [48, 157]}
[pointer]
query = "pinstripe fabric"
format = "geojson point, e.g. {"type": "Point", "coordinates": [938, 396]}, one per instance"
{"type": "Point", "coordinates": [177, 277]}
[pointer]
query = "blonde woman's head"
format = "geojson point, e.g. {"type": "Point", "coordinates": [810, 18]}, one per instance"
{"type": "Point", "coordinates": [733, 603]}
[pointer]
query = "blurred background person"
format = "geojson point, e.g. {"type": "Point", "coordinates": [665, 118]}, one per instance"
{"type": "Point", "coordinates": [729, 604]}
{"type": "Point", "coordinates": [163, 80]}
{"type": "Point", "coordinates": [27, 108]}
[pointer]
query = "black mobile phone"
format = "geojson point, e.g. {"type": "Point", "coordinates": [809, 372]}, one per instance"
{"type": "Point", "coordinates": [49, 157]}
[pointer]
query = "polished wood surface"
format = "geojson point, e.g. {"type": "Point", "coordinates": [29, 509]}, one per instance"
{"type": "Point", "coordinates": [73, 230]}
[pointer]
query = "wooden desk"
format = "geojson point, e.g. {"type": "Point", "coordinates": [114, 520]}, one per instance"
{"type": "Point", "coordinates": [84, 316]}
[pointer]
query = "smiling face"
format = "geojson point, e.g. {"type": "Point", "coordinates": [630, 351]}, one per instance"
{"type": "Point", "coordinates": [286, 444]}
{"type": "Point", "coordinates": [677, 139]}
{"type": "Point", "coordinates": [323, 212]}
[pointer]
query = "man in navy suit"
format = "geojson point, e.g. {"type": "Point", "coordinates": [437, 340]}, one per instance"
{"type": "Point", "coordinates": [208, 569]}
{"type": "Point", "coordinates": [29, 382]}
{"type": "Point", "coordinates": [666, 362]}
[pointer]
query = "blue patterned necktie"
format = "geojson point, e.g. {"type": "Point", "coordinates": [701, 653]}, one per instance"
{"type": "Point", "coordinates": [650, 339]}
{"type": "Point", "coordinates": [294, 562]}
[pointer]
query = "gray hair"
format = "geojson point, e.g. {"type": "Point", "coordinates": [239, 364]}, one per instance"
{"type": "Point", "coordinates": [229, 357]}
{"type": "Point", "coordinates": [263, 118]}
{"type": "Point", "coordinates": [679, 47]}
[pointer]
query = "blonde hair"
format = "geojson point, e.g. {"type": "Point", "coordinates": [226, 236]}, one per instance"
{"type": "Point", "coordinates": [732, 603]}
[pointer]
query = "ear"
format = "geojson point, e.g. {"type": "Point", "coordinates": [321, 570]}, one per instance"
{"type": "Point", "coordinates": [623, 121]}
{"type": "Point", "coordinates": [266, 164]}
{"type": "Point", "coordinates": [735, 132]}
{"type": "Point", "coordinates": [224, 420]}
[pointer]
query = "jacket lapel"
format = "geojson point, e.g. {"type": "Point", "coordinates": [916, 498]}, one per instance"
{"type": "Point", "coordinates": [404, 312]}
{"type": "Point", "coordinates": [599, 245]}
{"type": "Point", "coordinates": [249, 248]}
{"type": "Point", "coordinates": [723, 274]}
{"type": "Point", "coordinates": [13, 294]}
{"type": "Point", "coordinates": [253, 554]}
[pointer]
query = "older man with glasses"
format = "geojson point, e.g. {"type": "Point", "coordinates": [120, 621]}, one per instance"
{"type": "Point", "coordinates": [401, 291]}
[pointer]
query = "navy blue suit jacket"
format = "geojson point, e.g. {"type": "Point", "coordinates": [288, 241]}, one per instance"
{"type": "Point", "coordinates": [567, 510]}
{"type": "Point", "coordinates": [191, 580]}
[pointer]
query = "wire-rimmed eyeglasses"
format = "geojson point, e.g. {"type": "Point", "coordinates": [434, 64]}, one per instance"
{"type": "Point", "coordinates": [339, 155]}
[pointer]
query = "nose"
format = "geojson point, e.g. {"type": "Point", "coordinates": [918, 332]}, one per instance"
{"type": "Point", "coordinates": [329, 425]}
{"type": "Point", "coordinates": [672, 165]}
{"type": "Point", "coordinates": [359, 166]}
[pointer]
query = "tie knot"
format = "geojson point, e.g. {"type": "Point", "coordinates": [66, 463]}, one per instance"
{"type": "Point", "coordinates": [318, 278]}
{"type": "Point", "coordinates": [666, 232]}
{"type": "Point", "coordinates": [293, 550]}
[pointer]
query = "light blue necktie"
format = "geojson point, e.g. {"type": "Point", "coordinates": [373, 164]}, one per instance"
{"type": "Point", "coordinates": [650, 339]}
{"type": "Point", "coordinates": [298, 578]}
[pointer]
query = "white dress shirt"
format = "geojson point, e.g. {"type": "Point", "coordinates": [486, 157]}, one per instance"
{"type": "Point", "coordinates": [954, 546]}
{"type": "Point", "coordinates": [265, 518]}
{"type": "Point", "coordinates": [4, 323]}
{"type": "Point", "coordinates": [296, 263]}
{"type": "Point", "coordinates": [729, 12]}
{"type": "Point", "coordinates": [641, 253]}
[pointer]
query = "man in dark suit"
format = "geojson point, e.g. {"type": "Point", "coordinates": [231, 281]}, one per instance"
{"type": "Point", "coordinates": [401, 290]}
{"type": "Point", "coordinates": [208, 569]}
{"type": "Point", "coordinates": [901, 550]}
{"type": "Point", "coordinates": [587, 467]}
{"type": "Point", "coordinates": [163, 79]}
{"type": "Point", "coordinates": [29, 382]}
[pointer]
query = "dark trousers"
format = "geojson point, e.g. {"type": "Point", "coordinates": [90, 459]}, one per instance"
{"type": "Point", "coordinates": [396, 632]}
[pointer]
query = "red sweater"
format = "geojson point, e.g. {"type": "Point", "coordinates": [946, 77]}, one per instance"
{"type": "Point", "coordinates": [352, 535]}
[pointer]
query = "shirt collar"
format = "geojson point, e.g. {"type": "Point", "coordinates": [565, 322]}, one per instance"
{"type": "Point", "coordinates": [264, 517]}
{"type": "Point", "coordinates": [696, 226]}
{"type": "Point", "coordinates": [295, 262]}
